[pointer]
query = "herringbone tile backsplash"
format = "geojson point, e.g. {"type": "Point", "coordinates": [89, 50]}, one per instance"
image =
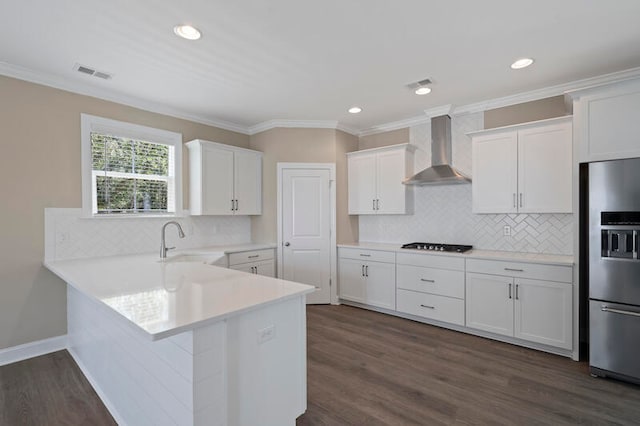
{"type": "Point", "coordinates": [443, 213]}
{"type": "Point", "coordinates": [69, 236]}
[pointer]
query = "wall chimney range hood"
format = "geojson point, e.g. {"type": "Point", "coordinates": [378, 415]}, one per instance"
{"type": "Point", "coordinates": [440, 172]}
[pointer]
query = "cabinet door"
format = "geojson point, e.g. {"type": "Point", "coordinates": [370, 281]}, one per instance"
{"type": "Point", "coordinates": [380, 284]}
{"type": "Point", "coordinates": [543, 312]}
{"type": "Point", "coordinates": [545, 169]}
{"type": "Point", "coordinates": [266, 268]}
{"type": "Point", "coordinates": [248, 183]}
{"type": "Point", "coordinates": [351, 280]}
{"type": "Point", "coordinates": [362, 183]}
{"type": "Point", "coordinates": [490, 303]}
{"type": "Point", "coordinates": [495, 173]}
{"type": "Point", "coordinates": [245, 267]}
{"type": "Point", "coordinates": [390, 172]}
{"type": "Point", "coordinates": [217, 181]}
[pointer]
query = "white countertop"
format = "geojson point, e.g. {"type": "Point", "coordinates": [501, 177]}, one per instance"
{"type": "Point", "coordinates": [509, 256]}
{"type": "Point", "coordinates": [167, 298]}
{"type": "Point", "coordinates": [228, 249]}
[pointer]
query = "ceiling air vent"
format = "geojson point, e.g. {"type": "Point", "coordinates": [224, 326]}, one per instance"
{"type": "Point", "coordinates": [90, 71]}
{"type": "Point", "coordinates": [419, 84]}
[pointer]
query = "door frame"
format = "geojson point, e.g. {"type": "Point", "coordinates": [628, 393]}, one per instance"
{"type": "Point", "coordinates": [332, 195]}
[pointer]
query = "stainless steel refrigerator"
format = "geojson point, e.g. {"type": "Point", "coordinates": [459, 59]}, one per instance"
{"type": "Point", "coordinates": [614, 269]}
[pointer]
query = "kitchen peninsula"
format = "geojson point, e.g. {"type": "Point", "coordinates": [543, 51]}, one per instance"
{"type": "Point", "coordinates": [184, 342]}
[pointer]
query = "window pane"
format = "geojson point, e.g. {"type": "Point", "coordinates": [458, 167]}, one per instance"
{"type": "Point", "coordinates": [114, 154]}
{"type": "Point", "coordinates": [126, 195]}
{"type": "Point", "coordinates": [122, 194]}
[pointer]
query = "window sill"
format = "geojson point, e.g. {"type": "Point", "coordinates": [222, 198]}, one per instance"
{"type": "Point", "coordinates": [135, 216]}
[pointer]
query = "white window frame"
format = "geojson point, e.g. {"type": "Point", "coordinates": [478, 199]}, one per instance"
{"type": "Point", "coordinates": [92, 123]}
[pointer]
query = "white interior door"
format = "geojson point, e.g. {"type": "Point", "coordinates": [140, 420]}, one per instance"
{"type": "Point", "coordinates": [306, 229]}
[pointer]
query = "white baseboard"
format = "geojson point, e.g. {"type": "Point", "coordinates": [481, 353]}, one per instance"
{"type": "Point", "coordinates": [32, 349]}
{"type": "Point", "coordinates": [103, 397]}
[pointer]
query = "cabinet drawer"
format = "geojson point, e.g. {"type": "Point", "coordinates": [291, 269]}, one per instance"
{"type": "Point", "coordinates": [430, 280]}
{"type": "Point", "coordinates": [521, 269]}
{"type": "Point", "coordinates": [441, 308]}
{"type": "Point", "coordinates": [372, 255]}
{"type": "Point", "coordinates": [431, 261]}
{"type": "Point", "coordinates": [250, 256]}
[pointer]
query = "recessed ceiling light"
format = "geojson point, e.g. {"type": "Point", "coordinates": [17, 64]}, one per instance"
{"type": "Point", "coordinates": [423, 90]}
{"type": "Point", "coordinates": [521, 63]}
{"type": "Point", "coordinates": [355, 110]}
{"type": "Point", "coordinates": [187, 31]}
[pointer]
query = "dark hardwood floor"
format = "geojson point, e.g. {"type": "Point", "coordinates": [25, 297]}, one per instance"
{"type": "Point", "coordinates": [367, 368]}
{"type": "Point", "coordinates": [49, 390]}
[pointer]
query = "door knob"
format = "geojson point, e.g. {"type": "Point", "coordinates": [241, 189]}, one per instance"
{"type": "Point", "coordinates": [287, 244]}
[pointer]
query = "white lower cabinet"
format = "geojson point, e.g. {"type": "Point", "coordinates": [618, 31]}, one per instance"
{"type": "Point", "coordinates": [528, 303]}
{"type": "Point", "coordinates": [261, 262]}
{"type": "Point", "coordinates": [535, 310]}
{"type": "Point", "coordinates": [367, 281]}
{"type": "Point", "coordinates": [431, 287]}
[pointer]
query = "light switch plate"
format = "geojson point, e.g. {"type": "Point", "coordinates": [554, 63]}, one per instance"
{"type": "Point", "coordinates": [266, 334]}
{"type": "Point", "coordinates": [506, 231]}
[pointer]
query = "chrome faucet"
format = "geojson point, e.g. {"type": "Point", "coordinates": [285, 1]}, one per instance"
{"type": "Point", "coordinates": [163, 246]}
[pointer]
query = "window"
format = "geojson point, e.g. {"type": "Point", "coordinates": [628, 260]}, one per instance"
{"type": "Point", "coordinates": [129, 169]}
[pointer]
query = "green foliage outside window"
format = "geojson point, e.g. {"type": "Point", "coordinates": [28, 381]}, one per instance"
{"type": "Point", "coordinates": [130, 191]}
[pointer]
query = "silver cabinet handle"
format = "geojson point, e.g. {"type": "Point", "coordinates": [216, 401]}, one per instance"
{"type": "Point", "coordinates": [514, 270]}
{"type": "Point", "coordinates": [517, 285]}
{"type": "Point", "coordinates": [427, 306]}
{"type": "Point", "coordinates": [254, 256]}
{"type": "Point", "coordinates": [365, 255]}
{"type": "Point", "coordinates": [509, 290]}
{"type": "Point", "coordinates": [232, 206]}
{"type": "Point", "coordinates": [366, 271]}
{"type": "Point", "coordinates": [374, 204]}
{"type": "Point", "coordinates": [377, 204]}
{"type": "Point", "coordinates": [363, 270]}
{"type": "Point", "coordinates": [605, 308]}
{"type": "Point", "coordinates": [427, 281]}
{"type": "Point", "coordinates": [287, 244]}
{"type": "Point", "coordinates": [521, 199]}
{"type": "Point", "coordinates": [236, 205]}
{"type": "Point", "coordinates": [514, 200]}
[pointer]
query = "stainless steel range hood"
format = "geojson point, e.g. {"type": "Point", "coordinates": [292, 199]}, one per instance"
{"type": "Point", "coordinates": [440, 172]}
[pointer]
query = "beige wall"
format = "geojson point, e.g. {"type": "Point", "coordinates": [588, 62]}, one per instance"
{"type": "Point", "coordinates": [347, 226]}
{"type": "Point", "coordinates": [285, 145]}
{"type": "Point", "coordinates": [528, 111]}
{"type": "Point", "coordinates": [393, 137]}
{"type": "Point", "coordinates": [40, 167]}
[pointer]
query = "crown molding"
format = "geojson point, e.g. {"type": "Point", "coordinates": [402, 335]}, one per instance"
{"type": "Point", "coordinates": [394, 125]}
{"type": "Point", "coordinates": [518, 98]}
{"type": "Point", "coordinates": [300, 124]}
{"type": "Point", "coordinates": [439, 110]}
{"type": "Point", "coordinates": [21, 73]}
{"type": "Point", "coordinates": [57, 82]}
{"type": "Point", "coordinates": [547, 92]}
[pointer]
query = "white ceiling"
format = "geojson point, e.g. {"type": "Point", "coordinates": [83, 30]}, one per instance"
{"type": "Point", "coordinates": [311, 60]}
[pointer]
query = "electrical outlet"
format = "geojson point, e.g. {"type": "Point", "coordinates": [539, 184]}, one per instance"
{"type": "Point", "coordinates": [63, 237]}
{"type": "Point", "coordinates": [506, 231]}
{"type": "Point", "coordinates": [266, 334]}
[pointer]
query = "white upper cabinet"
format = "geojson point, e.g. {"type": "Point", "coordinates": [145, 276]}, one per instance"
{"type": "Point", "coordinates": [224, 180]}
{"type": "Point", "coordinates": [495, 173]}
{"type": "Point", "coordinates": [607, 121]}
{"type": "Point", "coordinates": [523, 169]}
{"type": "Point", "coordinates": [375, 180]}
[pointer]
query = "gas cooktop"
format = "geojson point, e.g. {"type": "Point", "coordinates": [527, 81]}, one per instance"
{"type": "Point", "coordinates": [457, 248]}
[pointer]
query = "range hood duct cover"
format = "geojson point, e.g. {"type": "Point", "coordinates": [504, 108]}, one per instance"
{"type": "Point", "coordinates": [440, 172]}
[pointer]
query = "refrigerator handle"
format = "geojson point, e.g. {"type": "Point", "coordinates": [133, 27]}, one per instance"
{"type": "Point", "coordinates": [605, 308]}
{"type": "Point", "coordinates": [635, 243]}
